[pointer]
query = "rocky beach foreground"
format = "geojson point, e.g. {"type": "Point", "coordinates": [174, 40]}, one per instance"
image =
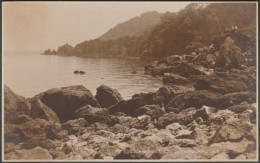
{"type": "Point", "coordinates": [206, 110]}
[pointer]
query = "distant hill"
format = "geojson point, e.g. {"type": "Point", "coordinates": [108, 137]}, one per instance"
{"type": "Point", "coordinates": [154, 36]}
{"type": "Point", "coordinates": [133, 27]}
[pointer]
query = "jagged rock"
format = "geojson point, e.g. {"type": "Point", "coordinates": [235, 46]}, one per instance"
{"type": "Point", "coordinates": [129, 107]}
{"type": "Point", "coordinates": [233, 130]}
{"type": "Point", "coordinates": [197, 99]}
{"type": "Point", "coordinates": [154, 111]}
{"type": "Point", "coordinates": [21, 119]}
{"type": "Point", "coordinates": [65, 100]}
{"type": "Point", "coordinates": [14, 105]}
{"type": "Point", "coordinates": [74, 126]}
{"type": "Point", "coordinates": [37, 128]}
{"type": "Point", "coordinates": [37, 153]}
{"type": "Point", "coordinates": [174, 79]}
{"type": "Point", "coordinates": [40, 110]}
{"type": "Point", "coordinates": [241, 107]}
{"type": "Point", "coordinates": [230, 56]}
{"type": "Point", "coordinates": [167, 119]}
{"type": "Point", "coordinates": [168, 92]}
{"type": "Point", "coordinates": [107, 96]}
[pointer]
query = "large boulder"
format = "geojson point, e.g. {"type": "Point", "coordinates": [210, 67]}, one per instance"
{"type": "Point", "coordinates": [167, 119]}
{"type": "Point", "coordinates": [93, 114]}
{"type": "Point", "coordinates": [138, 100]}
{"type": "Point", "coordinates": [65, 100]}
{"type": "Point", "coordinates": [37, 153]}
{"type": "Point", "coordinates": [230, 56]}
{"type": "Point", "coordinates": [107, 96]}
{"type": "Point", "coordinates": [196, 99]}
{"type": "Point", "coordinates": [40, 110]}
{"type": "Point", "coordinates": [14, 105]}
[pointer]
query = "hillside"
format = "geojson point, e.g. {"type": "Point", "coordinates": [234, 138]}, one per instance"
{"type": "Point", "coordinates": [133, 27]}
{"type": "Point", "coordinates": [178, 33]}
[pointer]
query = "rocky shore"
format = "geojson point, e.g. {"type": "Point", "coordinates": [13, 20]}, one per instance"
{"type": "Point", "coordinates": [204, 111]}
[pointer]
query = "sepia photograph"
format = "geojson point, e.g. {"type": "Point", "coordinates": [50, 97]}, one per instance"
{"type": "Point", "coordinates": [129, 81]}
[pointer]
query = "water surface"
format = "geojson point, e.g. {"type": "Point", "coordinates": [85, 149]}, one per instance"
{"type": "Point", "coordinates": [30, 74]}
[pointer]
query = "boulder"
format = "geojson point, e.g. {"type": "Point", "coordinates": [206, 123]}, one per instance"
{"type": "Point", "coordinates": [154, 111]}
{"type": "Point", "coordinates": [21, 119]}
{"type": "Point", "coordinates": [107, 96]}
{"type": "Point", "coordinates": [230, 56]}
{"type": "Point", "coordinates": [197, 99]}
{"type": "Point", "coordinates": [14, 105]}
{"type": "Point", "coordinates": [169, 78]}
{"type": "Point", "coordinates": [40, 110]}
{"type": "Point", "coordinates": [37, 128]}
{"type": "Point", "coordinates": [127, 106]}
{"type": "Point", "coordinates": [233, 130]}
{"type": "Point", "coordinates": [93, 114]}
{"type": "Point", "coordinates": [65, 100]}
{"type": "Point", "coordinates": [167, 119]}
{"type": "Point", "coordinates": [37, 153]}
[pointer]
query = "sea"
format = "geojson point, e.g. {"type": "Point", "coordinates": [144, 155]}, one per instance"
{"type": "Point", "coordinates": [29, 74]}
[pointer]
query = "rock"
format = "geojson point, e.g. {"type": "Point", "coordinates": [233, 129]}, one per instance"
{"type": "Point", "coordinates": [241, 107]}
{"type": "Point", "coordinates": [40, 110]}
{"type": "Point", "coordinates": [184, 134]}
{"type": "Point", "coordinates": [92, 114]}
{"type": "Point", "coordinates": [154, 111]}
{"type": "Point", "coordinates": [230, 56]}
{"type": "Point", "coordinates": [141, 122]}
{"type": "Point", "coordinates": [168, 92]}
{"type": "Point", "coordinates": [174, 79]}
{"type": "Point", "coordinates": [202, 85]}
{"type": "Point", "coordinates": [39, 129]}
{"type": "Point", "coordinates": [37, 153]}
{"type": "Point", "coordinates": [107, 96]}
{"type": "Point", "coordinates": [197, 99]}
{"type": "Point", "coordinates": [14, 105]}
{"type": "Point", "coordinates": [167, 119]}
{"type": "Point", "coordinates": [141, 149]}
{"type": "Point", "coordinates": [9, 147]}
{"type": "Point", "coordinates": [81, 122]}
{"type": "Point", "coordinates": [220, 156]}
{"type": "Point", "coordinates": [21, 119]}
{"type": "Point", "coordinates": [65, 100]}
{"type": "Point", "coordinates": [233, 130]}
{"type": "Point", "coordinates": [128, 107]}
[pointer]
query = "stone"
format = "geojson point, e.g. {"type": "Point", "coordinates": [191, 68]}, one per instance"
{"type": "Point", "coordinates": [93, 114]}
{"type": "Point", "coordinates": [80, 122]}
{"type": "Point", "coordinates": [14, 105]}
{"type": "Point", "coordinates": [197, 99]}
{"type": "Point", "coordinates": [230, 56]}
{"type": "Point", "coordinates": [65, 100]}
{"type": "Point", "coordinates": [154, 111]}
{"type": "Point", "coordinates": [40, 110]}
{"type": "Point", "coordinates": [169, 78]}
{"type": "Point", "coordinates": [37, 153]}
{"type": "Point", "coordinates": [107, 96]}
{"type": "Point", "coordinates": [167, 119]}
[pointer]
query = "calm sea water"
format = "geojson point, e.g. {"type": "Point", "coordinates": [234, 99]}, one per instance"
{"type": "Point", "coordinates": [30, 74]}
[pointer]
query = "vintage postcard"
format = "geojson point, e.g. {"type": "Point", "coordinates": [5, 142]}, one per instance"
{"type": "Point", "coordinates": [140, 81]}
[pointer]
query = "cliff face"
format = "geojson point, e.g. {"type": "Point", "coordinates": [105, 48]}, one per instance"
{"type": "Point", "coordinates": [177, 33]}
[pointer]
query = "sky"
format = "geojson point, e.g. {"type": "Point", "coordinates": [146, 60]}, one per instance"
{"type": "Point", "coordinates": [37, 26]}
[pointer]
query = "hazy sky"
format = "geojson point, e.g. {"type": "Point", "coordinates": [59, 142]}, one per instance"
{"type": "Point", "coordinates": [42, 25]}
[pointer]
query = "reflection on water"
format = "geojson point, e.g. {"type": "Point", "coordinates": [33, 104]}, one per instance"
{"type": "Point", "coordinates": [29, 75]}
